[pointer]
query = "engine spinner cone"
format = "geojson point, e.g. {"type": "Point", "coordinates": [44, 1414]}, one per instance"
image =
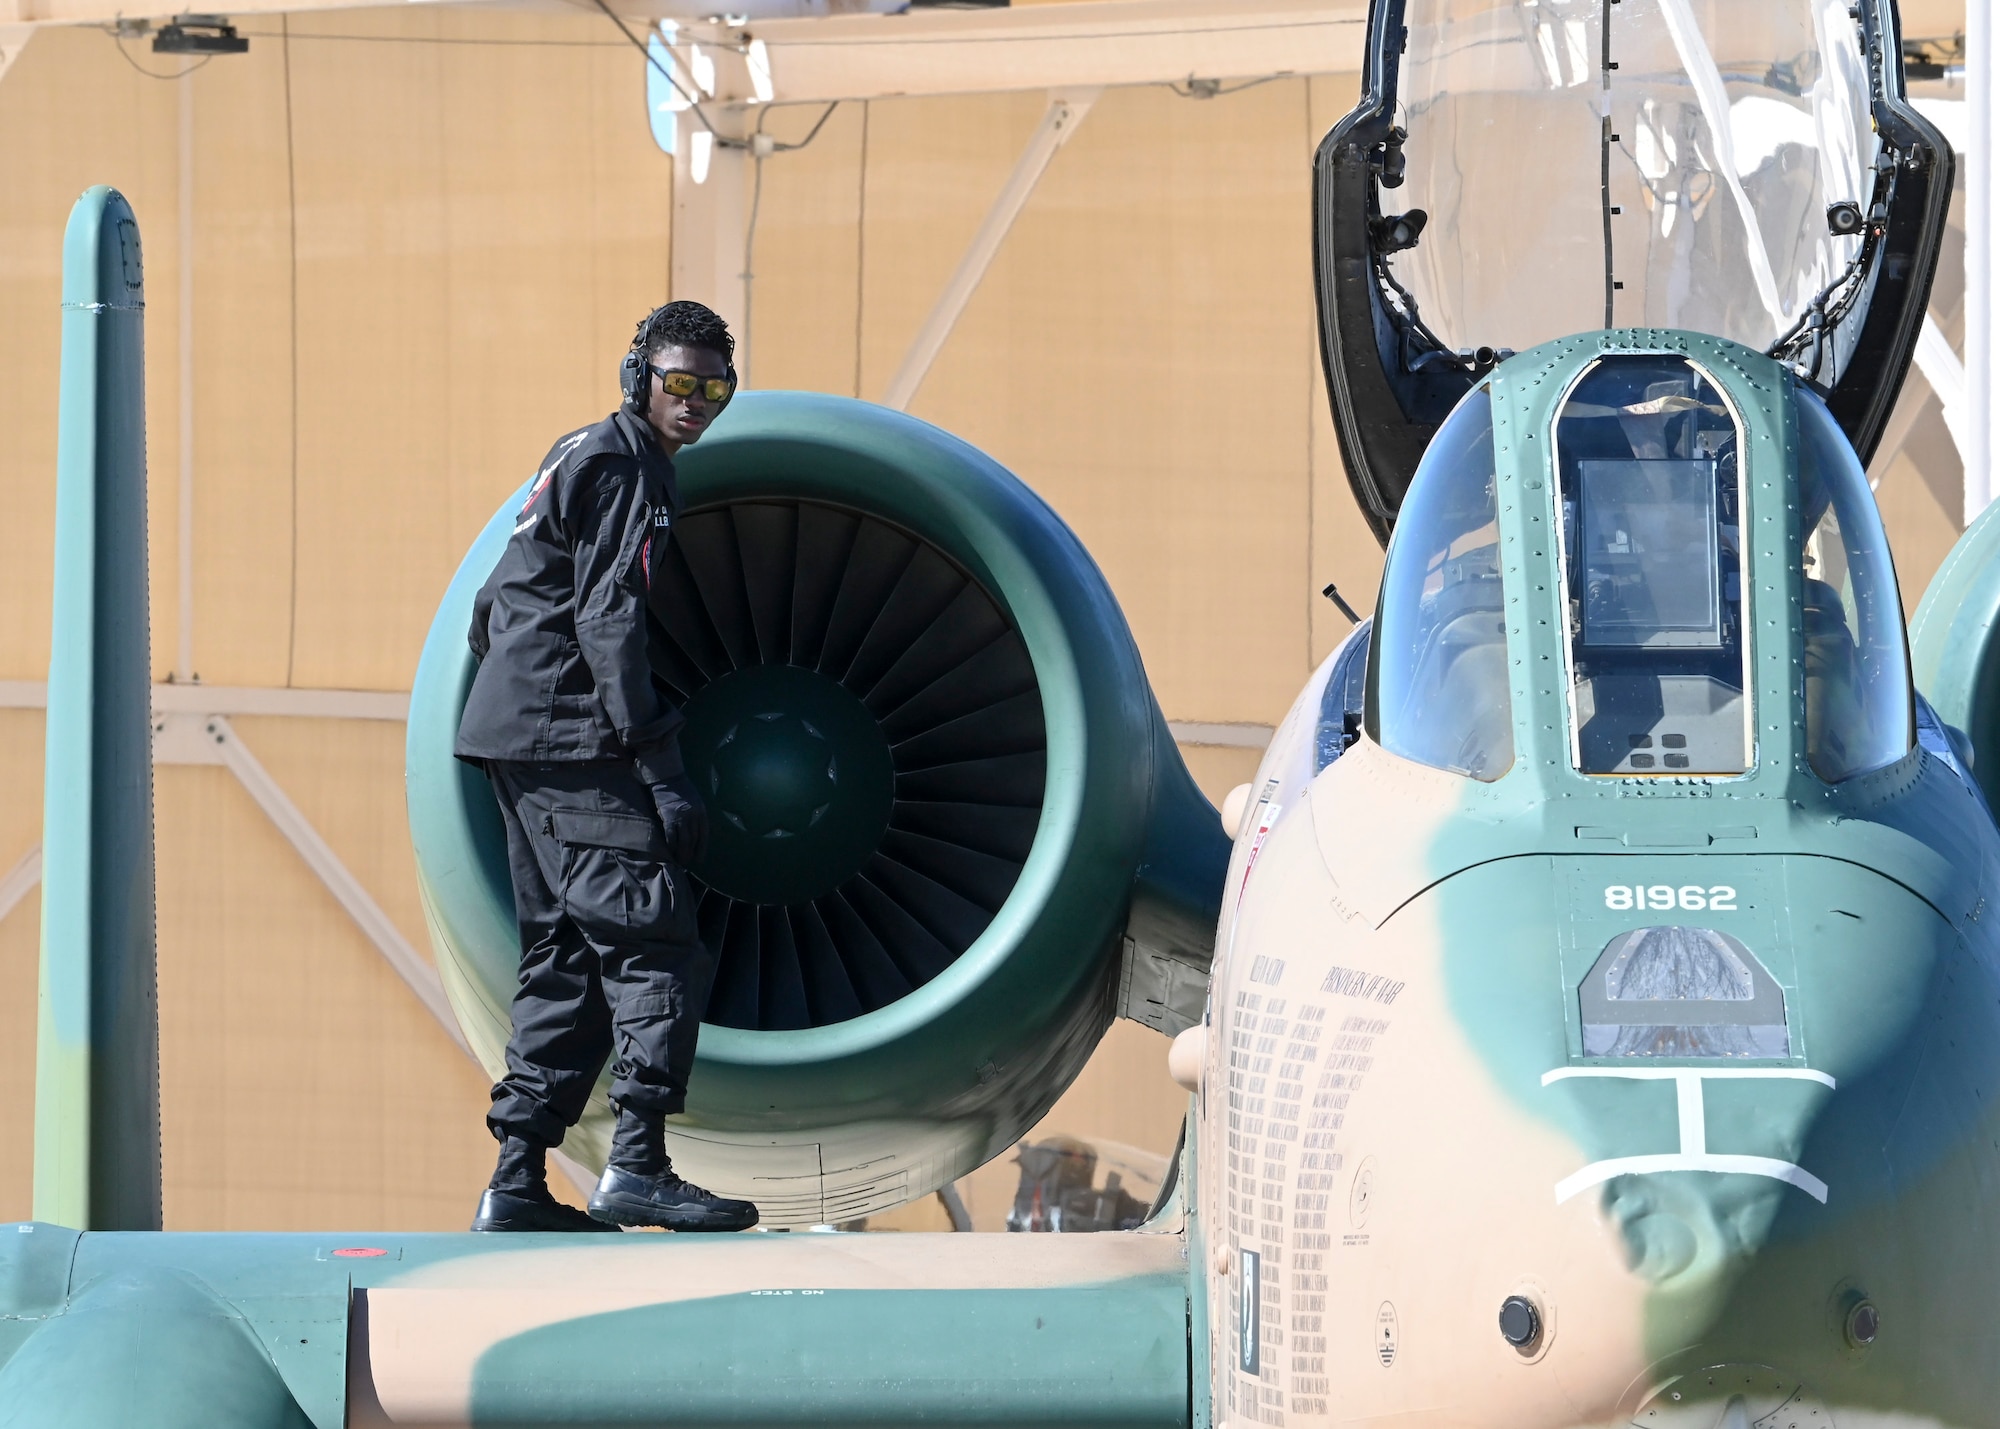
{"type": "Point", "coordinates": [798, 779]}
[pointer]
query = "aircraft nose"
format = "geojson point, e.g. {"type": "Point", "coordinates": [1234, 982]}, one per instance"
{"type": "Point", "coordinates": [1682, 1228]}
{"type": "Point", "coordinates": [1690, 1166]}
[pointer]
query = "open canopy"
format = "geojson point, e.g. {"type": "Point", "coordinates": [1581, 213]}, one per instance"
{"type": "Point", "coordinates": [1519, 170]}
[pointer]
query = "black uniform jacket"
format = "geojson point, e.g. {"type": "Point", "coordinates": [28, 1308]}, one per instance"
{"type": "Point", "coordinates": [560, 625]}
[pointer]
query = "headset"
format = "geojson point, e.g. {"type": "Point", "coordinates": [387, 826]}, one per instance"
{"type": "Point", "coordinates": [633, 375]}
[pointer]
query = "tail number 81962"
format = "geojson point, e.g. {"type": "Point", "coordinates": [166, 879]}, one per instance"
{"type": "Point", "coordinates": [1628, 897]}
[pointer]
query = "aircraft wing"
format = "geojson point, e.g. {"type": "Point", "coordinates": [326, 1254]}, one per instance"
{"type": "Point", "coordinates": [270, 1331]}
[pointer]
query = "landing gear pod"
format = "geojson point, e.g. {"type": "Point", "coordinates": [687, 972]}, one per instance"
{"type": "Point", "coordinates": [951, 834]}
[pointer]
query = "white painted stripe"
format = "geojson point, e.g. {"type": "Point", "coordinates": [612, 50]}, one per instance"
{"type": "Point", "coordinates": [1694, 1134]}
{"type": "Point", "coordinates": [1693, 1154]}
{"type": "Point", "coordinates": [1598, 1172]}
{"type": "Point", "coordinates": [1663, 1074]}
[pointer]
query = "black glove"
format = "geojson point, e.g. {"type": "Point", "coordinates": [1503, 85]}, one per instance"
{"type": "Point", "coordinates": [674, 799]}
{"type": "Point", "coordinates": [684, 817]}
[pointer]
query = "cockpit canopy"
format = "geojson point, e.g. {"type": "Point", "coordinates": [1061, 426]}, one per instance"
{"type": "Point", "coordinates": [1437, 668]}
{"type": "Point", "coordinates": [1652, 587]}
{"type": "Point", "coordinates": [1652, 570]}
{"type": "Point", "coordinates": [1520, 170]}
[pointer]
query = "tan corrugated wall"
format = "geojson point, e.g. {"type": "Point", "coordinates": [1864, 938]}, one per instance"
{"type": "Point", "coordinates": [422, 236]}
{"type": "Point", "coordinates": [421, 239]}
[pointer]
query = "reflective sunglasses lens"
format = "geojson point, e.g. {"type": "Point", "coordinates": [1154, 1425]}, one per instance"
{"type": "Point", "coordinates": [680, 384]}
{"type": "Point", "coordinates": [717, 389]}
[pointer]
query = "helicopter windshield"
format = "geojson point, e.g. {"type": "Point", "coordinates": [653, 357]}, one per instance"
{"type": "Point", "coordinates": [1682, 165]}
{"type": "Point", "coordinates": [1859, 711]}
{"type": "Point", "coordinates": [1437, 671]}
{"type": "Point", "coordinates": [1652, 571]}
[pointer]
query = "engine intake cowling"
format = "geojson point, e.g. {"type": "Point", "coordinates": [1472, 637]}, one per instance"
{"type": "Point", "coordinates": [950, 832]}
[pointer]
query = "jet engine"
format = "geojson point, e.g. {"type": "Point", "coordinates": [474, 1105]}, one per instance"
{"type": "Point", "coordinates": [951, 835]}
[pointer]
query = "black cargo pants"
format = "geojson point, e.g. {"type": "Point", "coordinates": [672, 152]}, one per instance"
{"type": "Point", "coordinates": [611, 961]}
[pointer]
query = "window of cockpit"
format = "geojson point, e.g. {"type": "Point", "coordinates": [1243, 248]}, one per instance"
{"type": "Point", "coordinates": [1437, 666]}
{"type": "Point", "coordinates": [1646, 451]}
{"type": "Point", "coordinates": [1859, 710]}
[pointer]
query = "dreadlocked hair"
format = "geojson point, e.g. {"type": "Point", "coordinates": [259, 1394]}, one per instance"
{"type": "Point", "coordinates": [685, 324]}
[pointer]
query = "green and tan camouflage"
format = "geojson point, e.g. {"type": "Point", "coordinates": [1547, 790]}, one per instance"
{"type": "Point", "coordinates": [1401, 1126]}
{"type": "Point", "coordinates": [1441, 1170]}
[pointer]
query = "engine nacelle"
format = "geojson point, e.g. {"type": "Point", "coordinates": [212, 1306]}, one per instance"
{"type": "Point", "coordinates": [951, 835]}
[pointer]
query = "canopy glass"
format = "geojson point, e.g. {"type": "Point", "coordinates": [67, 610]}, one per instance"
{"type": "Point", "coordinates": [1521, 170]}
{"type": "Point", "coordinates": [1438, 688]}
{"type": "Point", "coordinates": [1667, 163]}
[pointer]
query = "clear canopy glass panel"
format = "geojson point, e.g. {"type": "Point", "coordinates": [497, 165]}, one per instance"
{"type": "Point", "coordinates": [1607, 163]}
{"type": "Point", "coordinates": [1438, 690]}
{"type": "Point", "coordinates": [1859, 711]}
{"type": "Point", "coordinates": [1652, 561]}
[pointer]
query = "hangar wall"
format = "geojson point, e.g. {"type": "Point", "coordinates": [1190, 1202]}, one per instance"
{"type": "Point", "coordinates": [420, 238]}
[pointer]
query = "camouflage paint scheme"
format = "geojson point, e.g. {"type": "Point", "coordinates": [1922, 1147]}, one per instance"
{"type": "Point", "coordinates": [116, 1325]}
{"type": "Point", "coordinates": [97, 1133]}
{"type": "Point", "coordinates": [1391, 1132]}
{"type": "Point", "coordinates": [189, 1329]}
{"type": "Point", "coordinates": [1397, 980]}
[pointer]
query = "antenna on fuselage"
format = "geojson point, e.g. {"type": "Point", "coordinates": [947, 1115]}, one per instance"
{"type": "Point", "coordinates": [1332, 594]}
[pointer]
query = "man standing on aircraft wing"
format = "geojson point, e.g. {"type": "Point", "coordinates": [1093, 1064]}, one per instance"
{"type": "Point", "coordinates": [602, 820]}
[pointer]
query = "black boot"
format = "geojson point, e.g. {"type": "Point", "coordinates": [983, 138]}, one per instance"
{"type": "Point", "coordinates": [518, 1197]}
{"type": "Point", "coordinates": [639, 1187]}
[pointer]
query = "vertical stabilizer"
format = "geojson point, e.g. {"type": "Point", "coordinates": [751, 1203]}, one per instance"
{"type": "Point", "coordinates": [97, 1086]}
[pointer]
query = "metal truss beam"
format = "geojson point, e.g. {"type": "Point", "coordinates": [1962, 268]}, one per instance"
{"type": "Point", "coordinates": [922, 52]}
{"type": "Point", "coordinates": [169, 698]}
{"type": "Point", "coordinates": [1059, 121]}
{"type": "Point", "coordinates": [1078, 45]}
{"type": "Point", "coordinates": [20, 879]}
{"type": "Point", "coordinates": [210, 739]}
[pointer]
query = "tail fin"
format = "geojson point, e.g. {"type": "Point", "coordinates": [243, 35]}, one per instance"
{"type": "Point", "coordinates": [97, 1086]}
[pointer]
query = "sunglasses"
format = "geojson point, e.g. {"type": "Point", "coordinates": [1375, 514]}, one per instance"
{"type": "Point", "coordinates": [686, 384]}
